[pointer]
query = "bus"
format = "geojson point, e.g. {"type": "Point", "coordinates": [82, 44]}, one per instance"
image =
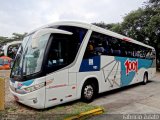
{"type": "Point", "coordinates": [66, 61]}
{"type": "Point", "coordinates": [5, 63]}
{"type": "Point", "coordinates": [10, 49]}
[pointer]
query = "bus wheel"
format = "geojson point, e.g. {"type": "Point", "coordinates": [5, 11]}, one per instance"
{"type": "Point", "coordinates": [88, 92]}
{"type": "Point", "coordinates": [145, 79]}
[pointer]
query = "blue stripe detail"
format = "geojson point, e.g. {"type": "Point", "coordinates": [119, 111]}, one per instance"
{"type": "Point", "coordinates": [21, 84]}
{"type": "Point", "coordinates": [127, 79]}
{"type": "Point", "coordinates": [27, 83]}
{"type": "Point", "coordinates": [90, 64]}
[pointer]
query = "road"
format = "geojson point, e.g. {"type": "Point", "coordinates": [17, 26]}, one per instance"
{"type": "Point", "coordinates": [136, 99]}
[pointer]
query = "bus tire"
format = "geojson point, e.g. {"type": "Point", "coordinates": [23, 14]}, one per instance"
{"type": "Point", "coordinates": [88, 92]}
{"type": "Point", "coordinates": [145, 79]}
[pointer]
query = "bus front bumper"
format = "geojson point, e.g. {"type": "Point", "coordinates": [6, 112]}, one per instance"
{"type": "Point", "coordinates": [35, 99]}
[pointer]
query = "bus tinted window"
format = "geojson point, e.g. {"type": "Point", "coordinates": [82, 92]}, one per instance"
{"type": "Point", "coordinates": [64, 48]}
{"type": "Point", "coordinates": [100, 44]}
{"type": "Point", "coordinates": [78, 33]}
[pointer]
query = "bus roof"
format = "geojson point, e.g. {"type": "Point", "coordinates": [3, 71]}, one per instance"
{"type": "Point", "coordinates": [14, 42]}
{"type": "Point", "coordinates": [96, 29]}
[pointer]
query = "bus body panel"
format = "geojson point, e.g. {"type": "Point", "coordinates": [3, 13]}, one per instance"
{"type": "Point", "coordinates": [60, 94]}
{"type": "Point", "coordinates": [132, 66]}
{"type": "Point", "coordinates": [72, 78]}
{"type": "Point", "coordinates": [111, 71]}
{"type": "Point", "coordinates": [34, 99]}
{"type": "Point", "coordinates": [27, 99]}
{"type": "Point", "coordinates": [58, 89]}
{"type": "Point", "coordinates": [151, 73]}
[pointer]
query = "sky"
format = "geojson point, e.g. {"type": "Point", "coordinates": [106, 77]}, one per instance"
{"type": "Point", "coordinates": [19, 16]}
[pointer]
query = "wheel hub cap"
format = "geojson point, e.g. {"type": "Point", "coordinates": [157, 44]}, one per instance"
{"type": "Point", "coordinates": [88, 92]}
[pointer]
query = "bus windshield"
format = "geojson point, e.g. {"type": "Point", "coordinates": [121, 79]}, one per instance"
{"type": "Point", "coordinates": [29, 60]}
{"type": "Point", "coordinates": [52, 52]}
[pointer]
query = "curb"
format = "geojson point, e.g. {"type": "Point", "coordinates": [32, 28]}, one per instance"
{"type": "Point", "coordinates": [93, 112]}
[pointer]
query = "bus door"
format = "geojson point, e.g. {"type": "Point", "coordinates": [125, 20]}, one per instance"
{"type": "Point", "coordinates": [58, 57]}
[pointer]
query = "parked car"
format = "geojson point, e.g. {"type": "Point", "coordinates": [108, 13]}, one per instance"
{"type": "Point", "coordinates": [5, 63]}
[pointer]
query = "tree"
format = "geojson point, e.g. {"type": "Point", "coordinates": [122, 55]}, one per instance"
{"type": "Point", "coordinates": [3, 40]}
{"type": "Point", "coordinates": [15, 37]}
{"type": "Point", "coordinates": [142, 24]}
{"type": "Point", "coordinates": [104, 25]}
{"type": "Point", "coordinates": [154, 4]}
{"type": "Point", "coordinates": [116, 27]}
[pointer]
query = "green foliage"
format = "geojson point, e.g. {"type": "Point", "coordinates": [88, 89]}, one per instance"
{"type": "Point", "coordinates": [103, 25]}
{"type": "Point", "coordinates": [116, 27]}
{"type": "Point", "coordinates": [154, 4]}
{"type": "Point", "coordinates": [142, 24]}
{"type": "Point", "coordinates": [15, 37]}
{"type": "Point", "coordinates": [3, 39]}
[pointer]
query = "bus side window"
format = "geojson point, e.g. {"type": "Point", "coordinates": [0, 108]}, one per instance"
{"type": "Point", "coordinates": [99, 49]}
{"type": "Point", "coordinates": [107, 47]}
{"type": "Point", "coordinates": [89, 50]}
{"type": "Point", "coordinates": [94, 46]}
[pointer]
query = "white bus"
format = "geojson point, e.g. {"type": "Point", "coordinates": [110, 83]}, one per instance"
{"type": "Point", "coordinates": [10, 49]}
{"type": "Point", "coordinates": [65, 61]}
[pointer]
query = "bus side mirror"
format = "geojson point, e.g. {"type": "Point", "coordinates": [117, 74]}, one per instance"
{"type": "Point", "coordinates": [34, 43]}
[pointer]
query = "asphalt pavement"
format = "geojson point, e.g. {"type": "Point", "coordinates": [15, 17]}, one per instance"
{"type": "Point", "coordinates": [136, 99]}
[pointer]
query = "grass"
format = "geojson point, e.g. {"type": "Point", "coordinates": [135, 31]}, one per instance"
{"type": "Point", "coordinates": [58, 113]}
{"type": "Point", "coordinates": [79, 108]}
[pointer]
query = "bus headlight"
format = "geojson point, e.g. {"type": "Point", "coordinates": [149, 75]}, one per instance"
{"type": "Point", "coordinates": [34, 87]}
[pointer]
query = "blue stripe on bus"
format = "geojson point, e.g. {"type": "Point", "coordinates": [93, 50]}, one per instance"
{"type": "Point", "coordinates": [26, 83]}
{"type": "Point", "coordinates": [127, 79]}
{"type": "Point", "coordinates": [21, 84]}
{"type": "Point", "coordinates": [90, 64]}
